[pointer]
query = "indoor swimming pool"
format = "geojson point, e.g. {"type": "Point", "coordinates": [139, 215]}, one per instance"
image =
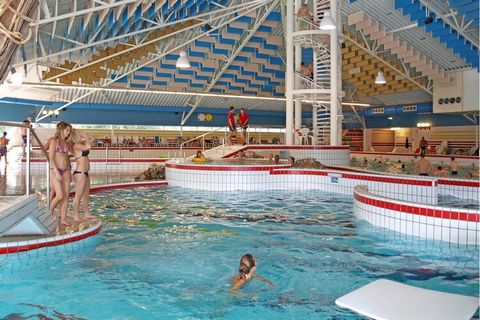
{"type": "Point", "coordinates": [170, 253]}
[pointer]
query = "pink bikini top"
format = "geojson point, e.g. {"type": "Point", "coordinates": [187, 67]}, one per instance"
{"type": "Point", "coordinates": [59, 149]}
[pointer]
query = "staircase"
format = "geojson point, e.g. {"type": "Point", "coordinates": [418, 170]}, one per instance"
{"type": "Point", "coordinates": [354, 139]}
{"type": "Point", "coordinates": [221, 151]}
{"type": "Point", "coordinates": [321, 124]}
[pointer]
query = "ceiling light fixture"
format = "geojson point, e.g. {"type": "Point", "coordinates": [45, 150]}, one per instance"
{"type": "Point", "coordinates": [327, 22]}
{"type": "Point", "coordinates": [380, 79]}
{"type": "Point", "coordinates": [182, 61]}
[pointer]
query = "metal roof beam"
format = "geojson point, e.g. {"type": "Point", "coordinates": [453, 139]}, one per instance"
{"type": "Point", "coordinates": [130, 34]}
{"type": "Point", "coordinates": [82, 12]}
{"type": "Point", "coordinates": [231, 58]}
{"type": "Point", "coordinates": [134, 47]}
{"type": "Point", "coordinates": [158, 57]}
{"type": "Point", "coordinates": [375, 55]}
{"type": "Point", "coordinates": [438, 12]}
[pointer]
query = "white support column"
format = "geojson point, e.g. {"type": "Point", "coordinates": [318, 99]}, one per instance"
{"type": "Point", "coordinates": [298, 62]}
{"type": "Point", "coordinates": [367, 139]}
{"type": "Point", "coordinates": [314, 124]}
{"type": "Point", "coordinates": [290, 72]}
{"type": "Point", "coordinates": [334, 77]}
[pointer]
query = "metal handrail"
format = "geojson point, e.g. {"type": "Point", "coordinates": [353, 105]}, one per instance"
{"type": "Point", "coordinates": [201, 136]}
{"type": "Point", "coordinates": [31, 131]}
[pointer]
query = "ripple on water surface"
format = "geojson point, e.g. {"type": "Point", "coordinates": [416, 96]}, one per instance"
{"type": "Point", "coordinates": [170, 253]}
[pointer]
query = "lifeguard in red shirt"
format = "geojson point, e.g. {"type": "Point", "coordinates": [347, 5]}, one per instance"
{"type": "Point", "coordinates": [231, 125]}
{"type": "Point", "coordinates": [243, 117]}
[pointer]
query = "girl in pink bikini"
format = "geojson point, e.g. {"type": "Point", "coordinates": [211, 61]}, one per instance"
{"type": "Point", "coordinates": [60, 170]}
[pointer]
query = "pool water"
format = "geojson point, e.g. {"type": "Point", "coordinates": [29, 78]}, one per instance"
{"type": "Point", "coordinates": [170, 253]}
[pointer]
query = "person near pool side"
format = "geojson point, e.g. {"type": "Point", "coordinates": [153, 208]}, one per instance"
{"type": "Point", "coordinates": [246, 272]}
{"type": "Point", "coordinates": [60, 170]}
{"type": "Point", "coordinates": [244, 118]}
{"type": "Point", "coordinates": [453, 166]}
{"type": "Point", "coordinates": [423, 166]}
{"type": "Point", "coordinates": [423, 146]}
{"type": "Point", "coordinates": [81, 145]}
{"type": "Point", "coordinates": [231, 125]}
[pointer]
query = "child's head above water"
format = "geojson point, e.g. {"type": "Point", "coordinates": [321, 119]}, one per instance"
{"type": "Point", "coordinates": [247, 266]}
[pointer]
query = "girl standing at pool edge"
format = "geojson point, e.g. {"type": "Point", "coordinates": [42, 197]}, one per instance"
{"type": "Point", "coordinates": [60, 170]}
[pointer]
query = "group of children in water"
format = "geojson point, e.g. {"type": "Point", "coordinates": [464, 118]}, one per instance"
{"type": "Point", "coordinates": [422, 166]}
{"type": "Point", "coordinates": [65, 143]}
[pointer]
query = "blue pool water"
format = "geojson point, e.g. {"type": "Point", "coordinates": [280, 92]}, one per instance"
{"type": "Point", "coordinates": [169, 253]}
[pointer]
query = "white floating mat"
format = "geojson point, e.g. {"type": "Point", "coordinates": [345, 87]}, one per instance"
{"type": "Point", "coordinates": [389, 300]}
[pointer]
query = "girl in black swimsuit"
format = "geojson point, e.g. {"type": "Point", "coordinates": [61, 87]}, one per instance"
{"type": "Point", "coordinates": [81, 149]}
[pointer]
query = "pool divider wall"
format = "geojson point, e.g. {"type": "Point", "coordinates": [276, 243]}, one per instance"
{"type": "Point", "coordinates": [283, 177]}
{"type": "Point", "coordinates": [456, 225]}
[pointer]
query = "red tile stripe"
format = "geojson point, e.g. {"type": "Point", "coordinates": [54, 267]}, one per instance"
{"type": "Point", "coordinates": [386, 179]}
{"type": "Point", "coordinates": [475, 184]}
{"type": "Point", "coordinates": [447, 213]}
{"type": "Point", "coordinates": [224, 168]}
{"type": "Point", "coordinates": [278, 147]}
{"type": "Point", "coordinates": [122, 160]}
{"type": "Point", "coordinates": [137, 148]}
{"type": "Point", "coordinates": [52, 243]}
{"type": "Point", "coordinates": [411, 155]}
{"type": "Point", "coordinates": [126, 185]}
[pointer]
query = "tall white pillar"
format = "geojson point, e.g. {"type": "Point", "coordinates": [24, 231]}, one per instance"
{"type": "Point", "coordinates": [290, 72]}
{"type": "Point", "coordinates": [298, 63]}
{"type": "Point", "coordinates": [334, 139]}
{"type": "Point", "coordinates": [367, 139]}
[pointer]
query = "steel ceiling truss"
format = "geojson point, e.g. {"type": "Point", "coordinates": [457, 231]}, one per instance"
{"type": "Point", "coordinates": [235, 52]}
{"type": "Point", "coordinates": [453, 18]}
{"type": "Point", "coordinates": [422, 82]}
{"type": "Point", "coordinates": [235, 11]}
{"type": "Point", "coordinates": [210, 16]}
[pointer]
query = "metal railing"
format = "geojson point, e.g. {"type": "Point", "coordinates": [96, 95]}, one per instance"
{"type": "Point", "coordinates": [31, 132]}
{"type": "Point", "coordinates": [202, 136]}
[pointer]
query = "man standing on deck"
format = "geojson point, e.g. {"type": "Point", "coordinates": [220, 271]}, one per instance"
{"type": "Point", "coordinates": [27, 123]}
{"type": "Point", "coordinates": [423, 146]}
{"type": "Point", "coordinates": [3, 147]}
{"type": "Point", "coordinates": [231, 126]}
{"type": "Point", "coordinates": [243, 117]}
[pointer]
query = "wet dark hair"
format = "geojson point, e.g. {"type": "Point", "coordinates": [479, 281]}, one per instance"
{"type": "Point", "coordinates": [246, 264]}
{"type": "Point", "coordinates": [4, 133]}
